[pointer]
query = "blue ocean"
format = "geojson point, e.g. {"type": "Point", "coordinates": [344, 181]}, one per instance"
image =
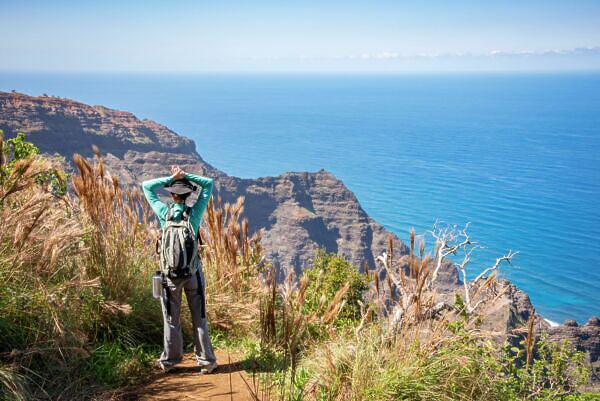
{"type": "Point", "coordinates": [517, 156]}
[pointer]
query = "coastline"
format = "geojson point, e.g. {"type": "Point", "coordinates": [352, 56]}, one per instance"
{"type": "Point", "coordinates": [259, 126]}
{"type": "Point", "coordinates": [551, 322]}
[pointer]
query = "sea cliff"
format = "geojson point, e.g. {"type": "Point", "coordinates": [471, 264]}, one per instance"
{"type": "Point", "coordinates": [299, 211]}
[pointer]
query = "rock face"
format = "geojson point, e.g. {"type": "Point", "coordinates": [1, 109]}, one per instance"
{"type": "Point", "coordinates": [509, 311]}
{"type": "Point", "coordinates": [584, 338]}
{"type": "Point", "coordinates": [299, 211]}
{"type": "Point", "coordinates": [66, 127]}
{"type": "Point", "coordinates": [507, 315]}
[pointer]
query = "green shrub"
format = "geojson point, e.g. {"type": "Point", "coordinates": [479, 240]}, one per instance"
{"type": "Point", "coordinates": [16, 149]}
{"type": "Point", "coordinates": [329, 274]}
{"type": "Point", "coordinates": [555, 373]}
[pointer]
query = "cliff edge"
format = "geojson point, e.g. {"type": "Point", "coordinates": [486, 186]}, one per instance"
{"type": "Point", "coordinates": [300, 211]}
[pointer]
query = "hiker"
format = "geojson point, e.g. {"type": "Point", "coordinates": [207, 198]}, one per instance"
{"type": "Point", "coordinates": [191, 279]}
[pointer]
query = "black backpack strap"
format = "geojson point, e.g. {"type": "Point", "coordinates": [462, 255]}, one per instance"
{"type": "Point", "coordinates": [166, 296]}
{"type": "Point", "coordinates": [201, 293]}
{"type": "Point", "coordinates": [187, 213]}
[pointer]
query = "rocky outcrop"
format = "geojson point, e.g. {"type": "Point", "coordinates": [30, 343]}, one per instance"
{"type": "Point", "coordinates": [299, 211]}
{"type": "Point", "coordinates": [584, 338]}
{"type": "Point", "coordinates": [302, 211]}
{"type": "Point", "coordinates": [66, 127]}
{"type": "Point", "coordinates": [507, 315]}
{"type": "Point", "coordinates": [507, 310]}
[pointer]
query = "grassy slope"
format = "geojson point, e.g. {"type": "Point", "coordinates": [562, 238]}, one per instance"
{"type": "Point", "coordinates": [77, 317]}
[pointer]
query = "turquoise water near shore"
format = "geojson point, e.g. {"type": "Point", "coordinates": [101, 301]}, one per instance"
{"type": "Point", "coordinates": [516, 155]}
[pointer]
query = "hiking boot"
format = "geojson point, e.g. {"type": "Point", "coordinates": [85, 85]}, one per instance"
{"type": "Point", "coordinates": [164, 367]}
{"type": "Point", "coordinates": [207, 368]}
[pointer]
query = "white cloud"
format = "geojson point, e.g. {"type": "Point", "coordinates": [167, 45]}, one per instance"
{"type": "Point", "coordinates": [579, 51]}
{"type": "Point", "coordinates": [394, 55]}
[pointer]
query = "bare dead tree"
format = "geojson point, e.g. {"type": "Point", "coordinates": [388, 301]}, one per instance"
{"type": "Point", "coordinates": [413, 297]}
{"type": "Point", "coordinates": [449, 241]}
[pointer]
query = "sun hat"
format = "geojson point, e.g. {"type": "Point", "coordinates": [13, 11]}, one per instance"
{"type": "Point", "coordinates": [180, 187]}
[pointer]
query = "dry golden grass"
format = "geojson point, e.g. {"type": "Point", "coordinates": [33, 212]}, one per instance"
{"type": "Point", "coordinates": [119, 239]}
{"type": "Point", "coordinates": [233, 262]}
{"type": "Point", "coordinates": [36, 226]}
{"type": "Point", "coordinates": [40, 240]}
{"type": "Point", "coordinates": [406, 344]}
{"type": "Point", "coordinates": [76, 271]}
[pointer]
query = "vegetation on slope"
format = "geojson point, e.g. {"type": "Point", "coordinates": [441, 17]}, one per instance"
{"type": "Point", "coordinates": [406, 345]}
{"type": "Point", "coordinates": [77, 316]}
{"type": "Point", "coordinates": [76, 311]}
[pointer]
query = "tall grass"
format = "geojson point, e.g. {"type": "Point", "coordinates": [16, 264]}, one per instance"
{"type": "Point", "coordinates": [76, 310]}
{"type": "Point", "coordinates": [410, 344]}
{"type": "Point", "coordinates": [233, 262]}
{"type": "Point", "coordinates": [118, 238]}
{"type": "Point", "coordinates": [77, 316]}
{"type": "Point", "coordinates": [44, 296]}
{"type": "Point", "coordinates": [374, 365]}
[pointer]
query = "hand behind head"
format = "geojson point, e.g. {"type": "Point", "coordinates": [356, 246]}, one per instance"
{"type": "Point", "coordinates": [177, 173]}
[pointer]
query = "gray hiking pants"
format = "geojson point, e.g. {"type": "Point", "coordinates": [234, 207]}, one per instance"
{"type": "Point", "coordinates": [173, 340]}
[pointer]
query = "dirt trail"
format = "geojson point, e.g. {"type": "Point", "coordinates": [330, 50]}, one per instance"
{"type": "Point", "coordinates": [186, 383]}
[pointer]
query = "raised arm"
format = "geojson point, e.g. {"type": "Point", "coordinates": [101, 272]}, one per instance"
{"type": "Point", "coordinates": [207, 187]}
{"type": "Point", "coordinates": [149, 187]}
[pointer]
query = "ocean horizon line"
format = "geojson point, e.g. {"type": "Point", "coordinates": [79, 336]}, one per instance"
{"type": "Point", "coordinates": [340, 73]}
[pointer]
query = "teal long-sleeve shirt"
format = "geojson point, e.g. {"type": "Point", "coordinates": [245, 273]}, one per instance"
{"type": "Point", "coordinates": [161, 209]}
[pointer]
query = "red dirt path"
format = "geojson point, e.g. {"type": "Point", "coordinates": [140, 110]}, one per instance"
{"type": "Point", "coordinates": [186, 383]}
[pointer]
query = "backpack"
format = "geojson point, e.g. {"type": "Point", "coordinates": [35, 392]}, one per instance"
{"type": "Point", "coordinates": [178, 246]}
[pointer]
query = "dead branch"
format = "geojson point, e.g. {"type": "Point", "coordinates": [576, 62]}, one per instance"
{"type": "Point", "coordinates": [508, 257]}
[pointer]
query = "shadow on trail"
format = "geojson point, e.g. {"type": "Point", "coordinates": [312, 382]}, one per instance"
{"type": "Point", "coordinates": [222, 368]}
{"type": "Point", "coordinates": [185, 383]}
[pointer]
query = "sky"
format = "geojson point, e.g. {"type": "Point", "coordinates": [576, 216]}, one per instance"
{"type": "Point", "coordinates": [299, 36]}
